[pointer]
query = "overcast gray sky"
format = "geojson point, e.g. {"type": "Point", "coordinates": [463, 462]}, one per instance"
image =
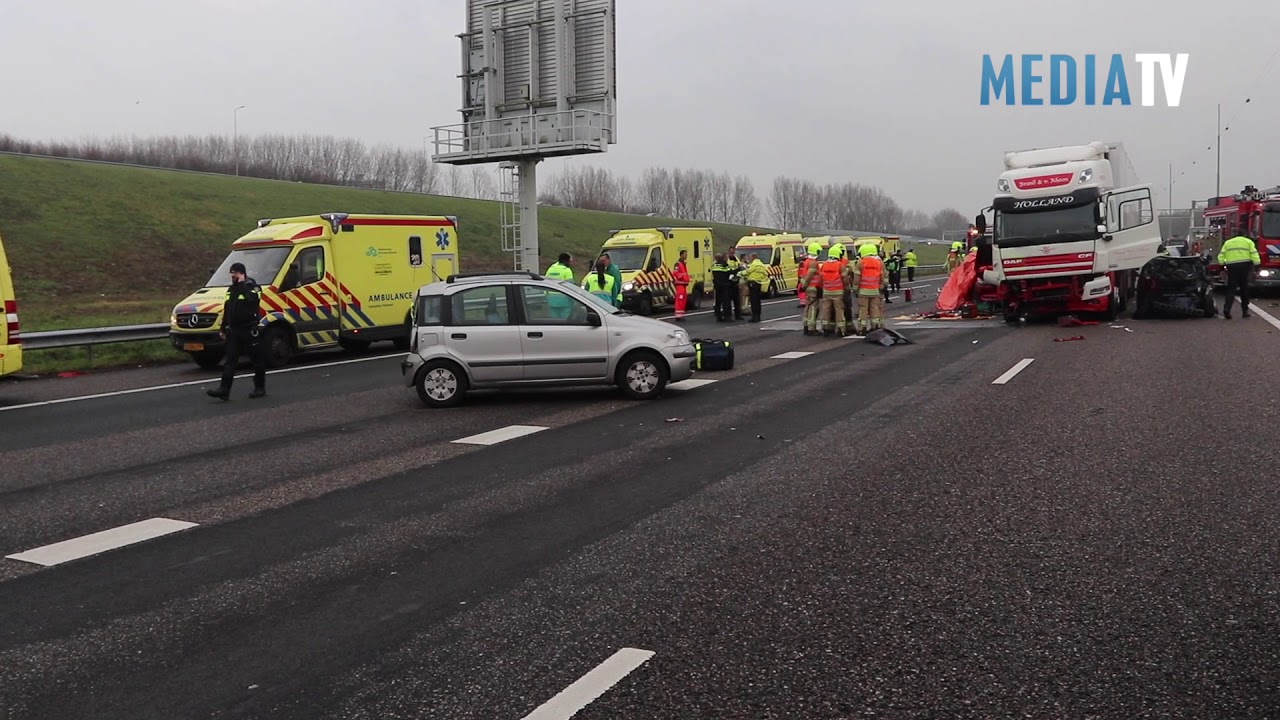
{"type": "Point", "coordinates": [883, 93]}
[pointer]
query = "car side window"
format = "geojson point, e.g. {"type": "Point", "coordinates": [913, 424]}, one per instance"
{"type": "Point", "coordinates": [548, 306]}
{"type": "Point", "coordinates": [480, 306]}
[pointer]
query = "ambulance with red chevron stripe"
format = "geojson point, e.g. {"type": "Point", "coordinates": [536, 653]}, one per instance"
{"type": "Point", "coordinates": [645, 257]}
{"type": "Point", "coordinates": [331, 280]}
{"type": "Point", "coordinates": [781, 253]}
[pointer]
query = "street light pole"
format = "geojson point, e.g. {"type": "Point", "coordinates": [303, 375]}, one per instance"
{"type": "Point", "coordinates": [1218, 192]}
{"type": "Point", "coordinates": [235, 136]}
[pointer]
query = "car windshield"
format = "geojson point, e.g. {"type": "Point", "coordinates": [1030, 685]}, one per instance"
{"type": "Point", "coordinates": [1034, 228]}
{"type": "Point", "coordinates": [628, 258]}
{"type": "Point", "coordinates": [1271, 223]}
{"type": "Point", "coordinates": [600, 303]}
{"type": "Point", "coordinates": [262, 265]}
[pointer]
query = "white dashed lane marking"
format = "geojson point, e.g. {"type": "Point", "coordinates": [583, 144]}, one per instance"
{"type": "Point", "coordinates": [493, 437]}
{"type": "Point", "coordinates": [1013, 371]}
{"type": "Point", "coordinates": [591, 686]}
{"type": "Point", "coordinates": [790, 355]}
{"type": "Point", "coordinates": [99, 542]}
{"type": "Point", "coordinates": [689, 384]}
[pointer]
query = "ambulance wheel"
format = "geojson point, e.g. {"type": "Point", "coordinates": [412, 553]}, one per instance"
{"type": "Point", "coordinates": [402, 343]}
{"type": "Point", "coordinates": [695, 298]}
{"type": "Point", "coordinates": [354, 346]}
{"type": "Point", "coordinates": [441, 384]}
{"type": "Point", "coordinates": [279, 348]}
{"type": "Point", "coordinates": [645, 305]}
{"type": "Point", "coordinates": [642, 375]}
{"type": "Point", "coordinates": [207, 360]}
{"type": "Point", "coordinates": [773, 290]}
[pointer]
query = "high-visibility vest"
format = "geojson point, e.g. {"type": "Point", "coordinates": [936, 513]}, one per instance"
{"type": "Point", "coordinates": [872, 269]}
{"type": "Point", "coordinates": [809, 266]}
{"type": "Point", "coordinates": [603, 290]}
{"type": "Point", "coordinates": [832, 277]}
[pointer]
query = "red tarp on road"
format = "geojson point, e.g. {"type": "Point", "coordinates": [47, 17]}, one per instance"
{"type": "Point", "coordinates": [959, 286]}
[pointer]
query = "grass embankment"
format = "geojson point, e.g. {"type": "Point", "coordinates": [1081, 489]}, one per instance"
{"type": "Point", "coordinates": [94, 245]}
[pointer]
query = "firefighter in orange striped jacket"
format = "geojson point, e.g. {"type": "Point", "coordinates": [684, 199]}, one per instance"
{"type": "Point", "coordinates": [869, 279]}
{"type": "Point", "coordinates": [836, 282]}
{"type": "Point", "coordinates": [811, 285]}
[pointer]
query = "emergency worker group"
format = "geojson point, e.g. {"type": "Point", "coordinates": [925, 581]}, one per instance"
{"type": "Point", "coordinates": [831, 285]}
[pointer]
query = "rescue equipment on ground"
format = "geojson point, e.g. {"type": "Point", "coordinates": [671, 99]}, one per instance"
{"type": "Point", "coordinates": [712, 355]}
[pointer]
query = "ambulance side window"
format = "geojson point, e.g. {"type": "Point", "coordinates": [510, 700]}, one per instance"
{"type": "Point", "coordinates": [306, 268]}
{"type": "Point", "coordinates": [777, 258]}
{"type": "Point", "coordinates": [655, 260]}
{"type": "Point", "coordinates": [415, 251]}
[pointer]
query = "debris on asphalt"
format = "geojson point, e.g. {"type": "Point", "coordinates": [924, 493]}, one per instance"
{"type": "Point", "coordinates": [1073, 321]}
{"type": "Point", "coordinates": [887, 337]}
{"type": "Point", "coordinates": [675, 419]}
{"type": "Point", "coordinates": [1069, 339]}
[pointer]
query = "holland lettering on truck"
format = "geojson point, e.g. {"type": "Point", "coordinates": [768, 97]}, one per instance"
{"type": "Point", "coordinates": [1044, 202]}
{"type": "Point", "coordinates": [1065, 90]}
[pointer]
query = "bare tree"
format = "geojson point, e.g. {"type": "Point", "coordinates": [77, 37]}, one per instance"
{"type": "Point", "coordinates": [745, 205]}
{"type": "Point", "coordinates": [654, 192]}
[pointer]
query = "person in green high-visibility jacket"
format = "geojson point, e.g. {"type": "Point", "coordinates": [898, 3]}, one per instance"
{"type": "Point", "coordinates": [559, 303]}
{"type": "Point", "coordinates": [613, 270]}
{"type": "Point", "coordinates": [1239, 255]}
{"type": "Point", "coordinates": [599, 282]}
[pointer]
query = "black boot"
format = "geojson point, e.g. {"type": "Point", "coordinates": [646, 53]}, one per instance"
{"type": "Point", "coordinates": [257, 393]}
{"type": "Point", "coordinates": [220, 393]}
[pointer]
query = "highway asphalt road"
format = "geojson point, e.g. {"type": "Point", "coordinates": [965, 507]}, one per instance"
{"type": "Point", "coordinates": [857, 532]}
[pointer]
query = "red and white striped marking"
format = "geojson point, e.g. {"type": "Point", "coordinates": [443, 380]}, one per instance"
{"type": "Point", "coordinates": [1066, 262]}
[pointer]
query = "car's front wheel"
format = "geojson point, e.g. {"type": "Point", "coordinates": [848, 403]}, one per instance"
{"type": "Point", "coordinates": [642, 375]}
{"type": "Point", "coordinates": [441, 384]}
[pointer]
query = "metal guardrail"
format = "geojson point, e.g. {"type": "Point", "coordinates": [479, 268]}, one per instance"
{"type": "Point", "coordinates": [81, 337]}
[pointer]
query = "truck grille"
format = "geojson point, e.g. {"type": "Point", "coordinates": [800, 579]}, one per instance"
{"type": "Point", "coordinates": [196, 321]}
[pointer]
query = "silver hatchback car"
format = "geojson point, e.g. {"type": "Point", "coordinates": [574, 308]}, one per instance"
{"type": "Point", "coordinates": [494, 330]}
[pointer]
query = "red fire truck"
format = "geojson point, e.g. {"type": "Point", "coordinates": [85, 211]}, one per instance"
{"type": "Point", "coordinates": [1252, 211]}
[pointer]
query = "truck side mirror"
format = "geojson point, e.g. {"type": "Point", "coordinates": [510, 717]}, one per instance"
{"type": "Point", "coordinates": [980, 222]}
{"type": "Point", "coordinates": [1102, 229]}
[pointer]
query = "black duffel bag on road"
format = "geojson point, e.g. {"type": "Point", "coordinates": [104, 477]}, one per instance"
{"type": "Point", "coordinates": [712, 355]}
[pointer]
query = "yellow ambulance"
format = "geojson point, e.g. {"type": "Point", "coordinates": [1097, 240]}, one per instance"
{"type": "Point", "coordinates": [332, 280]}
{"type": "Point", "coordinates": [645, 257]}
{"type": "Point", "coordinates": [782, 252]}
{"type": "Point", "coordinates": [10, 337]}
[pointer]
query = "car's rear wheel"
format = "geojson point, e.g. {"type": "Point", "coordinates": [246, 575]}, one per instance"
{"type": "Point", "coordinates": [642, 375]}
{"type": "Point", "coordinates": [441, 384]}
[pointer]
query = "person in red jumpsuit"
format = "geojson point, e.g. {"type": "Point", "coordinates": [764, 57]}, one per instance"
{"type": "Point", "coordinates": [681, 277]}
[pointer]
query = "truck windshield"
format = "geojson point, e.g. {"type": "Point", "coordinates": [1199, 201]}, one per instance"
{"type": "Point", "coordinates": [1034, 228]}
{"type": "Point", "coordinates": [262, 265]}
{"type": "Point", "coordinates": [1271, 223]}
{"type": "Point", "coordinates": [628, 258]}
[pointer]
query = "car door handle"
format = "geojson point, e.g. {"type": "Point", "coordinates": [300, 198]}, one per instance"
{"type": "Point", "coordinates": [535, 334]}
{"type": "Point", "coordinates": [459, 336]}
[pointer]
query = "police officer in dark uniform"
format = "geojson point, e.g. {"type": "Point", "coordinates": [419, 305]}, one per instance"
{"type": "Point", "coordinates": [726, 289]}
{"type": "Point", "coordinates": [241, 331]}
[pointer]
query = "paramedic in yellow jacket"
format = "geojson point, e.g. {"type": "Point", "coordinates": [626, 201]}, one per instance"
{"type": "Point", "coordinates": [757, 277]}
{"type": "Point", "coordinates": [869, 279]}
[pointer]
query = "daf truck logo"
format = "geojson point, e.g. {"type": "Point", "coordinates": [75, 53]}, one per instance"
{"type": "Point", "coordinates": [1045, 202]}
